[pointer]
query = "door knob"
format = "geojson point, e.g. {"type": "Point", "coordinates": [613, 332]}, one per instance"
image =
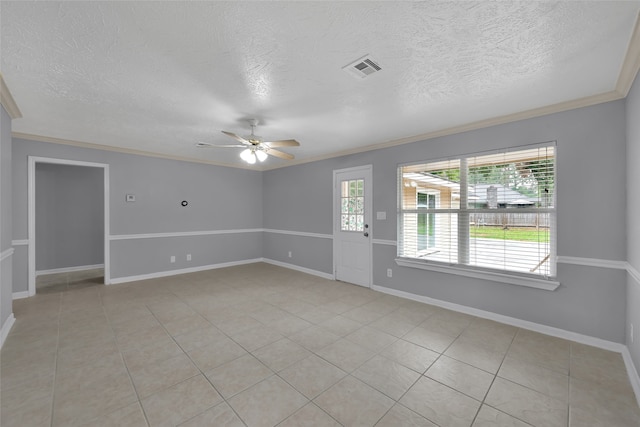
{"type": "Point", "coordinates": [366, 234]}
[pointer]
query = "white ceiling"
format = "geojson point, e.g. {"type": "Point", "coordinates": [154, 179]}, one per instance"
{"type": "Point", "coordinates": [160, 76]}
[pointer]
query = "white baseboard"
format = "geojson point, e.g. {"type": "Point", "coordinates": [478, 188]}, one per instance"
{"type": "Point", "coordinates": [20, 295]}
{"type": "Point", "coordinates": [525, 324]}
{"type": "Point", "coordinates": [69, 269]}
{"type": "Point", "coordinates": [298, 268]}
{"type": "Point", "coordinates": [118, 280]}
{"type": "Point", "coordinates": [6, 328]}
{"type": "Point", "coordinates": [634, 378]}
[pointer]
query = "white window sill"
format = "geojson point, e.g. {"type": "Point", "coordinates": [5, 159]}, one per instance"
{"type": "Point", "coordinates": [531, 282]}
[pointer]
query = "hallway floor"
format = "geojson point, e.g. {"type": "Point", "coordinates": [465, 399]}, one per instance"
{"type": "Point", "coordinates": [259, 345]}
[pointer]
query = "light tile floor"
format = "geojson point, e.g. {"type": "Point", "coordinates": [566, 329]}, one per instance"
{"type": "Point", "coordinates": [259, 345]}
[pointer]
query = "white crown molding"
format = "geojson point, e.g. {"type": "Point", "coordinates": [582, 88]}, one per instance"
{"type": "Point", "coordinates": [631, 63]}
{"type": "Point", "coordinates": [593, 262]}
{"type": "Point", "coordinates": [317, 273]}
{"type": "Point", "coordinates": [61, 141]}
{"type": "Point", "coordinates": [6, 328]}
{"type": "Point", "coordinates": [125, 279]}
{"type": "Point", "coordinates": [21, 242]}
{"type": "Point", "coordinates": [298, 233]}
{"type": "Point", "coordinates": [6, 254]}
{"type": "Point", "coordinates": [494, 121]}
{"type": "Point", "coordinates": [7, 100]}
{"type": "Point", "coordinates": [628, 71]}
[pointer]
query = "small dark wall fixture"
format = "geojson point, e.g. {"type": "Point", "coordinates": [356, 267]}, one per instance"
{"type": "Point", "coordinates": [184, 203]}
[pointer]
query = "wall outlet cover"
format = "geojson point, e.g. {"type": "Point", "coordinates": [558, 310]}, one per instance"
{"type": "Point", "coordinates": [130, 198]}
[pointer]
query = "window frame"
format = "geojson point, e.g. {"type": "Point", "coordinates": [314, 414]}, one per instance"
{"type": "Point", "coordinates": [538, 281]}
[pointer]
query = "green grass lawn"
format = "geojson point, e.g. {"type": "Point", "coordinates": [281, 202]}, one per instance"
{"type": "Point", "coordinates": [524, 234]}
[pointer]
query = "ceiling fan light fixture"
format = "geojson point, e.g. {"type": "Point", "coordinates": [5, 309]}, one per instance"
{"type": "Point", "coordinates": [247, 156]}
{"type": "Point", "coordinates": [261, 155]}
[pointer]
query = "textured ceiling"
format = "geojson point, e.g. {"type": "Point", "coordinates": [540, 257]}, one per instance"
{"type": "Point", "coordinates": [160, 76]}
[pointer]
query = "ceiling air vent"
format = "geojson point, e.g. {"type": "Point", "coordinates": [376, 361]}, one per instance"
{"type": "Point", "coordinates": [362, 67]}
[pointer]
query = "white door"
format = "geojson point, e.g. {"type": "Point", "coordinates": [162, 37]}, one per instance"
{"type": "Point", "coordinates": [352, 225]}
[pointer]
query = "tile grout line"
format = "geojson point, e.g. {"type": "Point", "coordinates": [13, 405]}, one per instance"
{"type": "Point", "coordinates": [55, 364]}
{"type": "Point", "coordinates": [224, 399]}
{"type": "Point", "coordinates": [115, 338]}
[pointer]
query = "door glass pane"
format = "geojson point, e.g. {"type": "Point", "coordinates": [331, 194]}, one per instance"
{"type": "Point", "coordinates": [352, 205]}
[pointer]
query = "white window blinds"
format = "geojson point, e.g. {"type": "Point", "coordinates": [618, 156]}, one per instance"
{"type": "Point", "coordinates": [486, 211]}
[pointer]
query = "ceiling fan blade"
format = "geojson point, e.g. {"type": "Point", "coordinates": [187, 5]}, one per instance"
{"type": "Point", "coordinates": [280, 154]}
{"type": "Point", "coordinates": [236, 137]}
{"type": "Point", "coordinates": [208, 145]}
{"type": "Point", "coordinates": [283, 143]}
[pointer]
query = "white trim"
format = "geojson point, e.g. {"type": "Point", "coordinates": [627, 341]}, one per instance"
{"type": "Point", "coordinates": [367, 174]}
{"type": "Point", "coordinates": [6, 328]}
{"type": "Point", "coordinates": [126, 279]}
{"type": "Point", "coordinates": [216, 232]}
{"type": "Point", "coordinates": [6, 254]}
{"type": "Point", "coordinates": [90, 145]}
{"type": "Point", "coordinates": [631, 63]}
{"type": "Point", "coordinates": [31, 213]}
{"type": "Point", "coordinates": [181, 234]}
{"type": "Point", "coordinates": [7, 101]}
{"type": "Point", "coordinates": [384, 242]}
{"type": "Point", "coordinates": [327, 276]}
{"type": "Point", "coordinates": [634, 379]}
{"type": "Point", "coordinates": [633, 273]}
{"type": "Point", "coordinates": [482, 124]}
{"type": "Point", "coordinates": [531, 282]}
{"type": "Point", "coordinates": [593, 262]}
{"type": "Point", "coordinates": [525, 324]}
{"type": "Point", "coordinates": [20, 295]}
{"type": "Point", "coordinates": [21, 242]}
{"type": "Point", "coordinates": [68, 269]}
{"type": "Point", "coordinates": [298, 233]}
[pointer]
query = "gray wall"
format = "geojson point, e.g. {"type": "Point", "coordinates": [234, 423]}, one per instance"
{"type": "Point", "coordinates": [69, 216]}
{"type": "Point", "coordinates": [592, 176]}
{"type": "Point", "coordinates": [633, 218]}
{"type": "Point", "coordinates": [591, 218]}
{"type": "Point", "coordinates": [220, 198]}
{"type": "Point", "coordinates": [6, 275]}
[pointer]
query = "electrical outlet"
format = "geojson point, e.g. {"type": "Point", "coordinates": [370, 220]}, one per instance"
{"type": "Point", "coordinates": [389, 272]}
{"type": "Point", "coordinates": [289, 254]}
{"type": "Point", "coordinates": [173, 258]}
{"type": "Point", "coordinates": [188, 257]}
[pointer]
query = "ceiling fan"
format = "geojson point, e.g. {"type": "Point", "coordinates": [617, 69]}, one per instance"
{"type": "Point", "coordinates": [255, 147]}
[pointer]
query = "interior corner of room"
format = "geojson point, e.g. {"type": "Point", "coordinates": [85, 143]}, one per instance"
{"type": "Point", "coordinates": [123, 215]}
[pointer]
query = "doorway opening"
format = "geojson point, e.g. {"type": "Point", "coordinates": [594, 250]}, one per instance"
{"type": "Point", "coordinates": [68, 224]}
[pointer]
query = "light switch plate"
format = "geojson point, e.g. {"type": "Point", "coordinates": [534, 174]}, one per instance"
{"type": "Point", "coordinates": [381, 215]}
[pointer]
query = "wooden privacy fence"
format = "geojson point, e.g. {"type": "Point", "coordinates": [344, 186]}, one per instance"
{"type": "Point", "coordinates": [510, 219]}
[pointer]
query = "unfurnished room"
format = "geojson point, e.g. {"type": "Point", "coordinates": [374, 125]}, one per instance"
{"type": "Point", "coordinates": [320, 213]}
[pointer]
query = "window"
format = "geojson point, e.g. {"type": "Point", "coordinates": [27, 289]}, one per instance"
{"type": "Point", "coordinates": [489, 212]}
{"type": "Point", "coordinates": [352, 205]}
